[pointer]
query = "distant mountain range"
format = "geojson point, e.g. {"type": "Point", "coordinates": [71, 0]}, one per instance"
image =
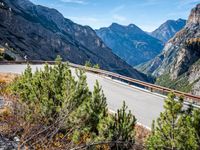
{"type": "Point", "coordinates": [178, 66]}
{"type": "Point", "coordinates": [130, 43]}
{"type": "Point", "coordinates": [136, 46]}
{"type": "Point", "coordinates": [168, 29]}
{"type": "Point", "coordinates": [42, 33]}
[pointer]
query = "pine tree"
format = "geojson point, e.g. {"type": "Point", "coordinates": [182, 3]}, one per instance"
{"type": "Point", "coordinates": [88, 64]}
{"type": "Point", "coordinates": [93, 110]}
{"type": "Point", "coordinates": [173, 129]}
{"type": "Point", "coordinates": [48, 95]}
{"type": "Point", "coordinates": [80, 98]}
{"type": "Point", "coordinates": [122, 129]}
{"type": "Point", "coordinates": [96, 66]}
{"type": "Point", "coordinates": [196, 123]}
{"type": "Point", "coordinates": [46, 91]}
{"type": "Point", "coordinates": [97, 108]}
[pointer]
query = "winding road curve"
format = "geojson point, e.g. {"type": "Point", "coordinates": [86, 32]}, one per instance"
{"type": "Point", "coordinates": [145, 105]}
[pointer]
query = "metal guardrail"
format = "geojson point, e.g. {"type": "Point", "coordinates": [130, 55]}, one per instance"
{"type": "Point", "coordinates": [151, 87]}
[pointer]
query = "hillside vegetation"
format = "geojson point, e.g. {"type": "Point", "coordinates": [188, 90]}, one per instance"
{"type": "Point", "coordinates": [177, 66]}
{"type": "Point", "coordinates": [42, 33]}
{"type": "Point", "coordinates": [183, 81]}
{"type": "Point", "coordinates": [52, 109]}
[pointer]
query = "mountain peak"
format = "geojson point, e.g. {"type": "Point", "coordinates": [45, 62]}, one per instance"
{"type": "Point", "coordinates": [168, 29]}
{"type": "Point", "coordinates": [180, 20]}
{"type": "Point", "coordinates": [126, 29]}
{"type": "Point", "coordinates": [123, 26]}
{"type": "Point", "coordinates": [42, 33]}
{"type": "Point", "coordinates": [22, 3]}
{"type": "Point", "coordinates": [178, 64]}
{"type": "Point", "coordinates": [130, 43]}
{"type": "Point", "coordinates": [132, 26]}
{"type": "Point", "coordinates": [116, 25]}
{"type": "Point", "coordinates": [194, 17]}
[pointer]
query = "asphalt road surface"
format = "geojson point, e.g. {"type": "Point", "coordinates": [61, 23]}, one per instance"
{"type": "Point", "coordinates": [144, 105]}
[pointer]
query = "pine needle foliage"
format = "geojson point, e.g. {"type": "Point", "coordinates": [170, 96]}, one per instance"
{"type": "Point", "coordinates": [173, 130]}
{"type": "Point", "coordinates": [56, 101]}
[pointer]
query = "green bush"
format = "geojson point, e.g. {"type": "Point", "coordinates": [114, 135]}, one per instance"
{"type": "Point", "coordinates": [195, 121]}
{"type": "Point", "coordinates": [119, 129]}
{"type": "Point", "coordinates": [45, 92]}
{"type": "Point", "coordinates": [89, 64]}
{"type": "Point", "coordinates": [54, 99]}
{"type": "Point", "coordinates": [181, 83]}
{"type": "Point", "coordinates": [173, 129]}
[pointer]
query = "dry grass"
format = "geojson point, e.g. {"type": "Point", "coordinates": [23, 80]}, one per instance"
{"type": "Point", "coordinates": [11, 123]}
{"type": "Point", "coordinates": [7, 77]}
{"type": "Point", "coordinates": [5, 80]}
{"type": "Point", "coordinates": [141, 134]}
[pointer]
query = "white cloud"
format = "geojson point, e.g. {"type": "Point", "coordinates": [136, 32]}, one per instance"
{"type": "Point", "coordinates": [117, 9]}
{"type": "Point", "coordinates": [74, 1]}
{"type": "Point", "coordinates": [115, 14]}
{"type": "Point", "coordinates": [119, 18]}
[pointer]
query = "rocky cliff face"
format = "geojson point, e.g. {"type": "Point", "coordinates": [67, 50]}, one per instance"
{"type": "Point", "coordinates": [168, 29]}
{"type": "Point", "coordinates": [194, 17]}
{"type": "Point", "coordinates": [178, 66]}
{"type": "Point", "coordinates": [42, 34]}
{"type": "Point", "coordinates": [130, 43]}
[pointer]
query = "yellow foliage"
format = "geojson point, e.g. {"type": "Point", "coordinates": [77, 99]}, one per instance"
{"type": "Point", "coordinates": [102, 147]}
{"type": "Point", "coordinates": [5, 80]}
{"type": "Point", "coordinates": [2, 50]}
{"type": "Point", "coordinates": [5, 112]}
{"type": "Point", "coordinates": [193, 40]}
{"type": "Point", "coordinates": [7, 77]}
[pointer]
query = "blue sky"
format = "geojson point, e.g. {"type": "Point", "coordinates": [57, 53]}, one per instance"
{"type": "Point", "coordinates": [147, 14]}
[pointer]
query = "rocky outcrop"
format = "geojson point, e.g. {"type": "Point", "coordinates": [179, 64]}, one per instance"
{"type": "Point", "coordinates": [7, 53]}
{"type": "Point", "coordinates": [194, 17]}
{"type": "Point", "coordinates": [7, 144]}
{"type": "Point", "coordinates": [168, 29]}
{"type": "Point", "coordinates": [194, 78]}
{"type": "Point", "coordinates": [42, 33]}
{"type": "Point", "coordinates": [130, 43]}
{"type": "Point", "coordinates": [180, 57]}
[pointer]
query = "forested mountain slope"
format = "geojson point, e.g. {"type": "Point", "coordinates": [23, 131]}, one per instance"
{"type": "Point", "coordinates": [178, 66]}
{"type": "Point", "coordinates": [42, 33]}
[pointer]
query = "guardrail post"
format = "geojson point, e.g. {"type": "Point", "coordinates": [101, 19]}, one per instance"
{"type": "Point", "coordinates": [163, 92]}
{"type": "Point", "coordinates": [151, 89]}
